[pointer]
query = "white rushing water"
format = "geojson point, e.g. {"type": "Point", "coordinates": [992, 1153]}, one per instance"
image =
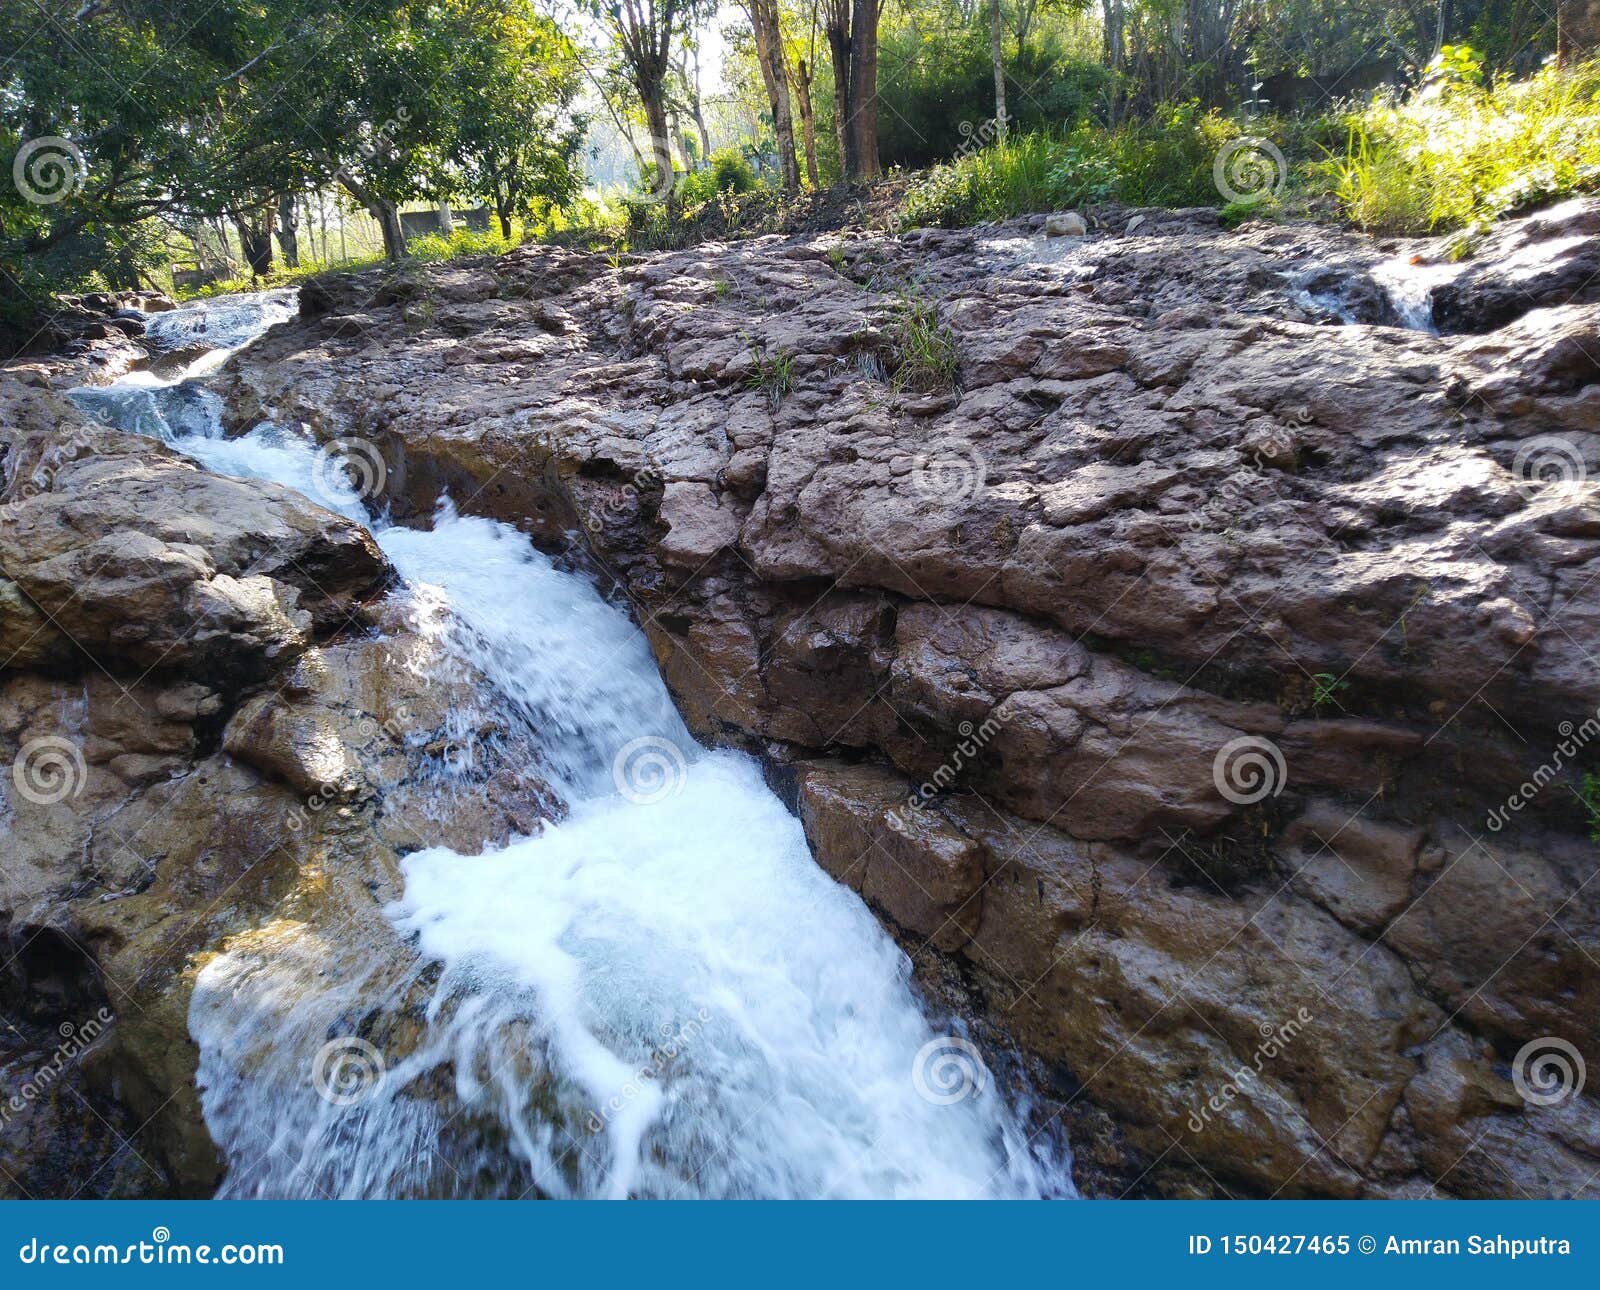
{"type": "Point", "coordinates": [660, 995]}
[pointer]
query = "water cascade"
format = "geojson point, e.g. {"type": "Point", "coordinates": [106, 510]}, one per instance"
{"type": "Point", "coordinates": [661, 994]}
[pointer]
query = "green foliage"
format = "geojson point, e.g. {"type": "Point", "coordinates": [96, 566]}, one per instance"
{"type": "Point", "coordinates": [773, 374]}
{"type": "Point", "coordinates": [460, 241]}
{"type": "Point", "coordinates": [728, 172]}
{"type": "Point", "coordinates": [1325, 690]}
{"type": "Point", "coordinates": [1461, 153]}
{"type": "Point", "coordinates": [936, 88]}
{"type": "Point", "coordinates": [1236, 213]}
{"type": "Point", "coordinates": [1454, 65]}
{"type": "Point", "coordinates": [925, 356]}
{"type": "Point", "coordinates": [401, 100]}
{"type": "Point", "coordinates": [514, 75]}
{"type": "Point", "coordinates": [1589, 795]}
{"type": "Point", "coordinates": [1166, 161]}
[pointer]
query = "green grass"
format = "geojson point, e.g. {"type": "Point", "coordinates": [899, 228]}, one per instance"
{"type": "Point", "coordinates": [436, 247]}
{"type": "Point", "coordinates": [773, 374]}
{"type": "Point", "coordinates": [924, 348]}
{"type": "Point", "coordinates": [1462, 153]}
{"type": "Point", "coordinates": [1166, 161]}
{"type": "Point", "coordinates": [1455, 154]}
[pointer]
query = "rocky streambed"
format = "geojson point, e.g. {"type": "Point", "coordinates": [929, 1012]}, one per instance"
{"type": "Point", "coordinates": [1192, 667]}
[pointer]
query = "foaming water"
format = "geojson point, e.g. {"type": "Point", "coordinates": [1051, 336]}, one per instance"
{"type": "Point", "coordinates": [659, 995]}
{"type": "Point", "coordinates": [222, 322]}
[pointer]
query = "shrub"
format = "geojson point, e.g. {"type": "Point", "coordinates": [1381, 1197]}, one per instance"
{"type": "Point", "coordinates": [1163, 162]}
{"type": "Point", "coordinates": [727, 172]}
{"type": "Point", "coordinates": [1460, 152]}
{"type": "Point", "coordinates": [926, 359]}
{"type": "Point", "coordinates": [459, 241]}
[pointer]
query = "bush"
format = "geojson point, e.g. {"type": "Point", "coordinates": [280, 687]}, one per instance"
{"type": "Point", "coordinates": [728, 172]}
{"type": "Point", "coordinates": [460, 241]}
{"type": "Point", "coordinates": [1460, 152]}
{"type": "Point", "coordinates": [1163, 162]}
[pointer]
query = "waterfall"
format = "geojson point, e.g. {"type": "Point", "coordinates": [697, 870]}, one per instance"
{"type": "Point", "coordinates": [660, 995]}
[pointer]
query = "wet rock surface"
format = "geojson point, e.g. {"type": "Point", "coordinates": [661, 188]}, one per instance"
{"type": "Point", "coordinates": [216, 718]}
{"type": "Point", "coordinates": [1165, 667]}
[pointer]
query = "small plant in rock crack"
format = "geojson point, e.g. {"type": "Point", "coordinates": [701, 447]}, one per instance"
{"type": "Point", "coordinates": [773, 374]}
{"type": "Point", "coordinates": [1325, 686]}
{"type": "Point", "coordinates": [925, 348]}
{"type": "Point", "coordinates": [1589, 795]}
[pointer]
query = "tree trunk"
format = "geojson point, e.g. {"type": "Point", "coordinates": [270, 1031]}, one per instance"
{"type": "Point", "coordinates": [808, 118]}
{"type": "Point", "coordinates": [255, 240]}
{"type": "Point", "coordinates": [998, 59]}
{"type": "Point", "coordinates": [697, 110]}
{"type": "Point", "coordinates": [680, 142]}
{"type": "Point", "coordinates": [703, 132]}
{"type": "Point", "coordinates": [838, 30]}
{"type": "Point", "coordinates": [1114, 54]}
{"type": "Point", "coordinates": [864, 89]}
{"type": "Point", "coordinates": [384, 211]}
{"type": "Point", "coordinates": [659, 156]}
{"type": "Point", "coordinates": [288, 231]}
{"type": "Point", "coordinates": [447, 221]}
{"type": "Point", "coordinates": [1577, 30]}
{"type": "Point", "coordinates": [1026, 9]}
{"type": "Point", "coordinates": [774, 72]}
{"type": "Point", "coordinates": [394, 235]}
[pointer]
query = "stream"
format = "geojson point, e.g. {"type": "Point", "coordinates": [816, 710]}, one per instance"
{"type": "Point", "coordinates": [661, 995]}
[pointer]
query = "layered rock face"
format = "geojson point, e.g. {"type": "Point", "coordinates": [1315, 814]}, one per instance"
{"type": "Point", "coordinates": [215, 721]}
{"type": "Point", "coordinates": [1199, 686]}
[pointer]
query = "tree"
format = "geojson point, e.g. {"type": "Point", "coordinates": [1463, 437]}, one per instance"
{"type": "Point", "coordinates": [775, 75]}
{"type": "Point", "coordinates": [837, 27]}
{"type": "Point", "coordinates": [998, 58]}
{"type": "Point", "coordinates": [644, 31]}
{"type": "Point", "coordinates": [802, 61]}
{"type": "Point", "coordinates": [852, 29]}
{"type": "Point", "coordinates": [688, 69]}
{"type": "Point", "coordinates": [514, 77]}
{"type": "Point", "coordinates": [864, 87]}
